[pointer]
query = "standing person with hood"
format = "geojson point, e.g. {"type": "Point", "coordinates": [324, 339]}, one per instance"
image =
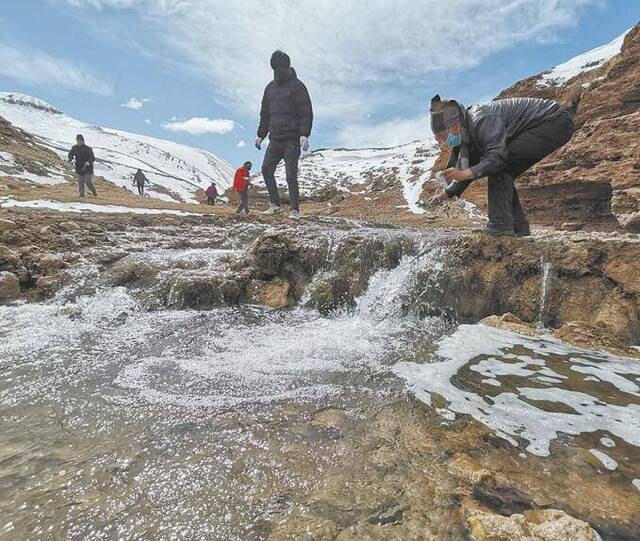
{"type": "Point", "coordinates": [241, 185]}
{"type": "Point", "coordinates": [211, 193]}
{"type": "Point", "coordinates": [140, 180]}
{"type": "Point", "coordinates": [499, 140]}
{"type": "Point", "coordinates": [286, 116]}
{"type": "Point", "coordinates": [84, 158]}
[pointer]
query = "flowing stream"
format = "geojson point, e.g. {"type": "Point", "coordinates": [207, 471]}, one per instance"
{"type": "Point", "coordinates": [120, 422]}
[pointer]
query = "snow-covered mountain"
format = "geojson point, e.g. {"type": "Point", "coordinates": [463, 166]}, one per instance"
{"type": "Point", "coordinates": [176, 171]}
{"type": "Point", "coordinates": [582, 63]}
{"type": "Point", "coordinates": [344, 171]}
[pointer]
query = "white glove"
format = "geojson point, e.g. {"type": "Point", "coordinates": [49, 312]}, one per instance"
{"type": "Point", "coordinates": [258, 142]}
{"type": "Point", "coordinates": [304, 143]}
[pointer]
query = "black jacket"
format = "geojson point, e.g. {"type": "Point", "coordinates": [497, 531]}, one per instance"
{"type": "Point", "coordinates": [286, 111]}
{"type": "Point", "coordinates": [140, 178]}
{"type": "Point", "coordinates": [84, 156]}
{"type": "Point", "coordinates": [490, 127]}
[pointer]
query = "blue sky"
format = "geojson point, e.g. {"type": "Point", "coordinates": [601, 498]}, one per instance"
{"type": "Point", "coordinates": [371, 66]}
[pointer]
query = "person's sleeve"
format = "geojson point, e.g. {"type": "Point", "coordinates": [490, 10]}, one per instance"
{"type": "Point", "coordinates": [491, 134]}
{"type": "Point", "coordinates": [304, 110]}
{"type": "Point", "coordinates": [265, 114]}
{"type": "Point", "coordinates": [92, 157]}
{"type": "Point", "coordinates": [71, 154]}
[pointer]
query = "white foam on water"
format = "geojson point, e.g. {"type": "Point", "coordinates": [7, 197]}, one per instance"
{"type": "Point", "coordinates": [296, 354]}
{"type": "Point", "coordinates": [530, 408]}
{"type": "Point", "coordinates": [607, 442]}
{"type": "Point", "coordinates": [605, 459]}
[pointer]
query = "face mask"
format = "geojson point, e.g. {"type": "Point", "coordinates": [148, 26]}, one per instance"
{"type": "Point", "coordinates": [281, 75]}
{"type": "Point", "coordinates": [453, 140]}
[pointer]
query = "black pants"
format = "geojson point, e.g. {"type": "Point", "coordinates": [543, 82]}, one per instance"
{"type": "Point", "coordinates": [244, 202]}
{"type": "Point", "coordinates": [288, 150]}
{"type": "Point", "coordinates": [140, 189]}
{"type": "Point", "coordinates": [525, 150]}
{"type": "Point", "coordinates": [211, 200]}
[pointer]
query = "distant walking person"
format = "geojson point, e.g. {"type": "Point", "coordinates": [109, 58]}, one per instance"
{"type": "Point", "coordinates": [140, 180]}
{"type": "Point", "coordinates": [241, 185]}
{"type": "Point", "coordinates": [212, 194]}
{"type": "Point", "coordinates": [286, 116]}
{"type": "Point", "coordinates": [84, 158]}
{"type": "Point", "coordinates": [499, 140]}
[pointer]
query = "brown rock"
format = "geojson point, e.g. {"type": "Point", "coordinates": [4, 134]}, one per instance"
{"type": "Point", "coordinates": [620, 317]}
{"type": "Point", "coordinates": [571, 226]}
{"type": "Point", "coordinates": [624, 269]}
{"type": "Point", "coordinates": [7, 225]}
{"type": "Point", "coordinates": [8, 258]}
{"type": "Point", "coordinates": [534, 525]}
{"type": "Point", "coordinates": [589, 336]}
{"type": "Point", "coordinates": [509, 322]}
{"type": "Point", "coordinates": [52, 262]}
{"type": "Point", "coordinates": [69, 226]}
{"type": "Point", "coordinates": [275, 293]}
{"type": "Point", "coordinates": [47, 283]}
{"type": "Point", "coordinates": [470, 470]}
{"type": "Point", "coordinates": [9, 286]}
{"type": "Point", "coordinates": [330, 418]}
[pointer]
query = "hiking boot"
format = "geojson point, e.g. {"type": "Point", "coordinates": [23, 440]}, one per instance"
{"type": "Point", "coordinates": [498, 230]}
{"type": "Point", "coordinates": [294, 215]}
{"type": "Point", "coordinates": [522, 229]}
{"type": "Point", "coordinates": [273, 209]}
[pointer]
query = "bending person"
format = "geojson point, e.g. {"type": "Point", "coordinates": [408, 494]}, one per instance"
{"type": "Point", "coordinates": [499, 140]}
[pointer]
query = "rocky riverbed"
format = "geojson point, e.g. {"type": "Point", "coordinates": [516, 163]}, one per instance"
{"type": "Point", "coordinates": [203, 377]}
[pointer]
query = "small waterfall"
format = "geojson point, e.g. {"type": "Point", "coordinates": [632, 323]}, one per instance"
{"type": "Point", "coordinates": [547, 268]}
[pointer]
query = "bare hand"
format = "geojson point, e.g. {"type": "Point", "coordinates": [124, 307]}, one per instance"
{"type": "Point", "coordinates": [438, 199]}
{"type": "Point", "coordinates": [457, 175]}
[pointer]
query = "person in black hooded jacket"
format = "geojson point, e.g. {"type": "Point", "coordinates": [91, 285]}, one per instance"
{"type": "Point", "coordinates": [286, 116]}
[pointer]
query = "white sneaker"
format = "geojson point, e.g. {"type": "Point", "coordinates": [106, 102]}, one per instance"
{"type": "Point", "coordinates": [273, 209]}
{"type": "Point", "coordinates": [294, 215]}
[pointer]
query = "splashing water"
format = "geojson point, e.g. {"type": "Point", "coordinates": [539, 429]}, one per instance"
{"type": "Point", "coordinates": [547, 267]}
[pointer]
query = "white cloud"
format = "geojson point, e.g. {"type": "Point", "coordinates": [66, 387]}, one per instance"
{"type": "Point", "coordinates": [356, 57]}
{"type": "Point", "coordinates": [241, 144]}
{"type": "Point", "coordinates": [147, 121]}
{"type": "Point", "coordinates": [34, 67]}
{"type": "Point", "coordinates": [385, 134]}
{"type": "Point", "coordinates": [200, 126]}
{"type": "Point", "coordinates": [135, 103]}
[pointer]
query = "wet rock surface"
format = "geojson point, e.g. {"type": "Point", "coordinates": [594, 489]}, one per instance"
{"type": "Point", "coordinates": [9, 286]}
{"type": "Point", "coordinates": [365, 465]}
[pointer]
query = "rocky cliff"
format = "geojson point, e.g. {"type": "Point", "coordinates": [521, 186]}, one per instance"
{"type": "Point", "coordinates": [595, 178]}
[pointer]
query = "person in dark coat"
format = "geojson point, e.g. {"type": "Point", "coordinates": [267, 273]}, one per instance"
{"type": "Point", "coordinates": [84, 158]}
{"type": "Point", "coordinates": [499, 140]}
{"type": "Point", "coordinates": [286, 116]}
{"type": "Point", "coordinates": [140, 180]}
{"type": "Point", "coordinates": [211, 193]}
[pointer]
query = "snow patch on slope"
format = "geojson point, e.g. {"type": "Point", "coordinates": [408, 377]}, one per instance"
{"type": "Point", "coordinates": [176, 171]}
{"type": "Point", "coordinates": [582, 63]}
{"type": "Point", "coordinates": [47, 204]}
{"type": "Point", "coordinates": [354, 170]}
{"type": "Point", "coordinates": [10, 167]}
